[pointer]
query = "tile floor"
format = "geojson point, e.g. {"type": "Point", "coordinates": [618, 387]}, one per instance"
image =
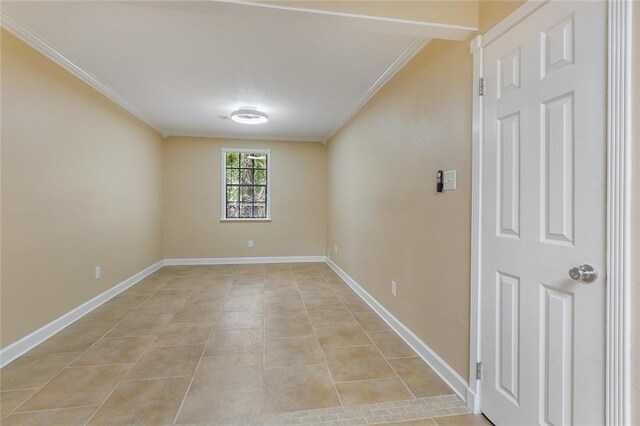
{"type": "Point", "coordinates": [229, 344]}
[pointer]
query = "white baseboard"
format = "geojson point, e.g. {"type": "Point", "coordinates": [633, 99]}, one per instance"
{"type": "Point", "coordinates": [242, 260]}
{"type": "Point", "coordinates": [25, 344]}
{"type": "Point", "coordinates": [444, 370]}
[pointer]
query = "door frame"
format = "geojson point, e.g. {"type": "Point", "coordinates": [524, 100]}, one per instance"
{"type": "Point", "coordinates": [618, 209]}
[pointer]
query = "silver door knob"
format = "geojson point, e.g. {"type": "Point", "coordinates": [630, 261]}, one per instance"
{"type": "Point", "coordinates": [584, 273]}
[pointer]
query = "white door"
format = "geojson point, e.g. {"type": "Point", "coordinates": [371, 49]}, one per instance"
{"type": "Point", "coordinates": [543, 212]}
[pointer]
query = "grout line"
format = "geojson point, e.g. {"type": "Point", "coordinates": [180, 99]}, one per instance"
{"type": "Point", "coordinates": [193, 376]}
{"type": "Point", "coordinates": [264, 345]}
{"type": "Point", "coordinates": [321, 349]}
{"type": "Point", "coordinates": [191, 291]}
{"type": "Point", "coordinates": [376, 346]}
{"type": "Point", "coordinates": [49, 409]}
{"type": "Point", "coordinates": [81, 352]}
{"type": "Point", "coordinates": [141, 355]}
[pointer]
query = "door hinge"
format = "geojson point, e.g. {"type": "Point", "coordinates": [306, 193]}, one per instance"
{"type": "Point", "coordinates": [481, 87]}
{"type": "Point", "coordinates": [478, 371]}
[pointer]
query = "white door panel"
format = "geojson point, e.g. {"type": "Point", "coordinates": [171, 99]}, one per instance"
{"type": "Point", "coordinates": [543, 212]}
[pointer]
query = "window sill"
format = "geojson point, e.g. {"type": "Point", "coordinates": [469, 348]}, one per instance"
{"type": "Point", "coordinates": [246, 220]}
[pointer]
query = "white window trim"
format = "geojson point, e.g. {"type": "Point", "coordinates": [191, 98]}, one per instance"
{"type": "Point", "coordinates": [223, 186]}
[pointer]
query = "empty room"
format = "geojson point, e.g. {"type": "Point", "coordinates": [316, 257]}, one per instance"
{"type": "Point", "coordinates": [356, 212]}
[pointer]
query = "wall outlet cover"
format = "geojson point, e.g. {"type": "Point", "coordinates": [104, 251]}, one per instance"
{"type": "Point", "coordinates": [98, 272]}
{"type": "Point", "coordinates": [449, 180]}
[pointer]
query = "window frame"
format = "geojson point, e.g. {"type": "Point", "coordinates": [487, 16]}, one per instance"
{"type": "Point", "coordinates": [223, 191]}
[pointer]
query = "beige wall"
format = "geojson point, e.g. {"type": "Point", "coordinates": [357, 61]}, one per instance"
{"type": "Point", "coordinates": [80, 188]}
{"type": "Point", "coordinates": [490, 12]}
{"type": "Point", "coordinates": [191, 201]}
{"type": "Point", "coordinates": [383, 212]}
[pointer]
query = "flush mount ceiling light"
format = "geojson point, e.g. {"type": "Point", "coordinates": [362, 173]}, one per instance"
{"type": "Point", "coordinates": [249, 115]}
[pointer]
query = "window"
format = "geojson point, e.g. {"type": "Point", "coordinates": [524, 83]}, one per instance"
{"type": "Point", "coordinates": [245, 179]}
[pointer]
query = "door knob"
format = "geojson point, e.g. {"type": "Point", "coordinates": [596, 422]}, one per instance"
{"type": "Point", "coordinates": [584, 273]}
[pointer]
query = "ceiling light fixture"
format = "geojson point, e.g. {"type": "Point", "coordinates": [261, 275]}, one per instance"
{"type": "Point", "coordinates": [248, 115]}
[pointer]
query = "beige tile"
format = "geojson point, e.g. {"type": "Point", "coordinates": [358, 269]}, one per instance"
{"type": "Point", "coordinates": [357, 363]}
{"type": "Point", "coordinates": [226, 373]}
{"type": "Point", "coordinates": [9, 400]}
{"type": "Point", "coordinates": [186, 333]}
{"type": "Point", "coordinates": [235, 342]}
{"type": "Point", "coordinates": [215, 408]}
{"type": "Point", "coordinates": [419, 377]}
{"type": "Point", "coordinates": [372, 391]}
{"type": "Point", "coordinates": [34, 371]}
{"type": "Point", "coordinates": [182, 284]}
{"type": "Point", "coordinates": [76, 387]}
{"type": "Point", "coordinates": [246, 293]}
{"type": "Point", "coordinates": [355, 304]}
{"type": "Point", "coordinates": [307, 276]}
{"type": "Point", "coordinates": [419, 422]}
{"type": "Point", "coordinates": [165, 304]}
{"type": "Point", "coordinates": [333, 315]}
{"type": "Point", "coordinates": [292, 351]}
{"type": "Point", "coordinates": [114, 350]}
{"type": "Point", "coordinates": [274, 310]}
{"type": "Point", "coordinates": [216, 294]}
{"type": "Point", "coordinates": [294, 324]}
{"type": "Point", "coordinates": [371, 322]}
{"type": "Point", "coordinates": [241, 303]}
{"type": "Point", "coordinates": [104, 317]}
{"type": "Point", "coordinates": [66, 416]}
{"type": "Point", "coordinates": [391, 345]}
{"type": "Point", "coordinates": [181, 294]}
{"type": "Point", "coordinates": [140, 326]}
{"type": "Point", "coordinates": [216, 280]}
{"type": "Point", "coordinates": [249, 281]}
{"type": "Point", "coordinates": [199, 310]}
{"type": "Point", "coordinates": [237, 320]}
{"type": "Point", "coordinates": [341, 335]}
{"type": "Point", "coordinates": [320, 291]}
{"type": "Point", "coordinates": [173, 361]}
{"type": "Point", "coordinates": [280, 285]}
{"type": "Point", "coordinates": [77, 339]}
{"type": "Point", "coordinates": [462, 420]}
{"type": "Point", "coordinates": [152, 402]}
{"type": "Point", "coordinates": [327, 302]}
{"type": "Point", "coordinates": [282, 296]}
{"type": "Point", "coordinates": [128, 300]}
{"type": "Point", "coordinates": [298, 388]}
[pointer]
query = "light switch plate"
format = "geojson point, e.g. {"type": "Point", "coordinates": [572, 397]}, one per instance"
{"type": "Point", "coordinates": [449, 180]}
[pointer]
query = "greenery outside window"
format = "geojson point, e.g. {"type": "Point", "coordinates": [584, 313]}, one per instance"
{"type": "Point", "coordinates": [245, 184]}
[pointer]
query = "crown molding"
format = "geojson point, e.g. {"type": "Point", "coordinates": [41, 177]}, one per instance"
{"type": "Point", "coordinates": [31, 38]}
{"type": "Point", "coordinates": [411, 50]}
{"type": "Point", "coordinates": [421, 29]}
{"type": "Point", "coordinates": [34, 40]}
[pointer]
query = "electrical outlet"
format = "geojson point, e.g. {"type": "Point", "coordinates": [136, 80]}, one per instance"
{"type": "Point", "coordinates": [98, 272]}
{"type": "Point", "coordinates": [450, 180]}
{"type": "Point", "coordinates": [394, 288]}
{"type": "Point", "coordinates": [250, 243]}
{"type": "Point", "coordinates": [335, 249]}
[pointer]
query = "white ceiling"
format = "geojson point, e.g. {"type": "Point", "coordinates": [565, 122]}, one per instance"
{"type": "Point", "coordinates": [182, 65]}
